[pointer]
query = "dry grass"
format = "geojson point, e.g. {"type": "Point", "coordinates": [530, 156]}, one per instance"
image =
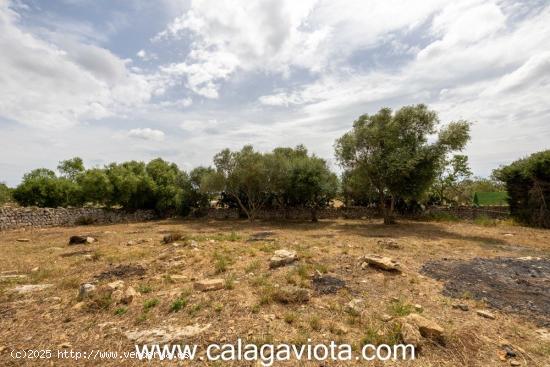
{"type": "Point", "coordinates": [245, 307]}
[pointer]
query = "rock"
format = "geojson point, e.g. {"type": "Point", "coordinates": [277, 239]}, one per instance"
{"type": "Point", "coordinates": [385, 317]}
{"type": "Point", "coordinates": [427, 328]}
{"type": "Point", "coordinates": [382, 262]}
{"type": "Point", "coordinates": [129, 294]}
{"type": "Point", "coordinates": [389, 243]}
{"type": "Point", "coordinates": [355, 306]}
{"type": "Point", "coordinates": [28, 288]}
{"type": "Point", "coordinates": [514, 363]}
{"type": "Point", "coordinates": [130, 243]}
{"type": "Point", "coordinates": [23, 240]}
{"type": "Point", "coordinates": [461, 306]}
{"type": "Point", "coordinates": [410, 334]}
{"type": "Point", "coordinates": [209, 284]}
{"type": "Point", "coordinates": [145, 240]}
{"type": "Point", "coordinates": [88, 257]}
{"type": "Point", "coordinates": [291, 294]}
{"type": "Point", "coordinates": [86, 290]}
{"type": "Point", "coordinates": [418, 308]}
{"type": "Point", "coordinates": [35, 269]}
{"type": "Point", "coordinates": [163, 336]}
{"type": "Point", "coordinates": [117, 284]}
{"type": "Point", "coordinates": [486, 314]}
{"type": "Point", "coordinates": [116, 295]}
{"type": "Point", "coordinates": [178, 277]}
{"type": "Point", "coordinates": [77, 240]}
{"type": "Point", "coordinates": [171, 237]}
{"type": "Point", "coordinates": [10, 277]}
{"type": "Point", "coordinates": [543, 334]}
{"type": "Point", "coordinates": [79, 306]}
{"type": "Point", "coordinates": [282, 258]}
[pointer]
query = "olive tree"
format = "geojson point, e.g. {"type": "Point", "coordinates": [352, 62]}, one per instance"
{"type": "Point", "coordinates": [394, 153]}
{"type": "Point", "coordinates": [243, 175]}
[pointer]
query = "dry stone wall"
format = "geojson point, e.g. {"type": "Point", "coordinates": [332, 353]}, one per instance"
{"type": "Point", "coordinates": [32, 217]}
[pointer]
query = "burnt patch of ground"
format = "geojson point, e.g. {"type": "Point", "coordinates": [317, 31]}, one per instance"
{"type": "Point", "coordinates": [327, 284]}
{"type": "Point", "coordinates": [517, 285]}
{"type": "Point", "coordinates": [121, 271]}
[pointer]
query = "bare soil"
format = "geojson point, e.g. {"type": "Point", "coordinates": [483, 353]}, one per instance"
{"type": "Point", "coordinates": [164, 275]}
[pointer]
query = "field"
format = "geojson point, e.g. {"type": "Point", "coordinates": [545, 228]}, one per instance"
{"type": "Point", "coordinates": [252, 305]}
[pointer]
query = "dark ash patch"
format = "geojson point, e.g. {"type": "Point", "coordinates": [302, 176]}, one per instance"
{"type": "Point", "coordinates": [121, 271]}
{"type": "Point", "coordinates": [327, 284]}
{"type": "Point", "coordinates": [516, 285]}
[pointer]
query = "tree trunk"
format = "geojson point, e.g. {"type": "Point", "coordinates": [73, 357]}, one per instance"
{"type": "Point", "coordinates": [387, 212]}
{"type": "Point", "coordinates": [314, 214]}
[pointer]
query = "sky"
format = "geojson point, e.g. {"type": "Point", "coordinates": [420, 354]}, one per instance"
{"type": "Point", "coordinates": [116, 80]}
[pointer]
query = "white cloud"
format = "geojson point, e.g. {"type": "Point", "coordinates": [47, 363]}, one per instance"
{"type": "Point", "coordinates": [147, 134]}
{"type": "Point", "coordinates": [51, 85]}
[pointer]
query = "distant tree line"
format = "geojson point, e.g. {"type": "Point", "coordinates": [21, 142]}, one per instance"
{"type": "Point", "coordinates": [393, 160]}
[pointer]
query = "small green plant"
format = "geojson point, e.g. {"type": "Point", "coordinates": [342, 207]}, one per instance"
{"type": "Point", "coordinates": [141, 318]}
{"type": "Point", "coordinates": [290, 317]}
{"type": "Point", "coordinates": [144, 288]}
{"type": "Point", "coordinates": [400, 308]}
{"type": "Point", "coordinates": [178, 304]}
{"type": "Point", "coordinates": [150, 303]}
{"type": "Point", "coordinates": [221, 262]}
{"type": "Point", "coordinates": [230, 281]}
{"type": "Point", "coordinates": [194, 310]}
{"type": "Point", "coordinates": [315, 323]}
{"type": "Point", "coordinates": [218, 307]}
{"type": "Point", "coordinates": [121, 311]}
{"type": "Point", "coordinates": [252, 267]}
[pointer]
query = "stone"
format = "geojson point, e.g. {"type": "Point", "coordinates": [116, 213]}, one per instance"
{"type": "Point", "coordinates": [36, 269]}
{"type": "Point", "coordinates": [385, 317]}
{"type": "Point", "coordinates": [116, 295]}
{"type": "Point", "coordinates": [206, 285]}
{"type": "Point", "coordinates": [427, 328]}
{"type": "Point", "coordinates": [86, 290]}
{"type": "Point", "coordinates": [131, 243]}
{"type": "Point", "coordinates": [88, 257]}
{"type": "Point", "coordinates": [10, 277]}
{"type": "Point", "coordinates": [382, 262]}
{"type": "Point", "coordinates": [410, 334]}
{"type": "Point", "coordinates": [129, 294]}
{"type": "Point", "coordinates": [117, 284]}
{"type": "Point", "coordinates": [543, 334]}
{"type": "Point", "coordinates": [78, 240]}
{"type": "Point", "coordinates": [170, 334]}
{"type": "Point", "coordinates": [282, 258]}
{"type": "Point", "coordinates": [515, 363]}
{"type": "Point", "coordinates": [79, 306]}
{"type": "Point", "coordinates": [23, 240]}
{"type": "Point", "coordinates": [418, 308]}
{"type": "Point", "coordinates": [291, 294]}
{"type": "Point", "coordinates": [171, 237]}
{"type": "Point", "coordinates": [389, 243]}
{"type": "Point", "coordinates": [461, 306]}
{"type": "Point", "coordinates": [29, 288]}
{"type": "Point", "coordinates": [486, 314]}
{"type": "Point", "coordinates": [355, 306]}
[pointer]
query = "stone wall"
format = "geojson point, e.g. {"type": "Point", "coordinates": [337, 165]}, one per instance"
{"type": "Point", "coordinates": [11, 218]}
{"type": "Point", "coordinates": [471, 213]}
{"type": "Point", "coordinates": [462, 212]}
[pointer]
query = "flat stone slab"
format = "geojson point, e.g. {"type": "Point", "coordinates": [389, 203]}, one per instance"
{"type": "Point", "coordinates": [168, 335]}
{"type": "Point", "coordinates": [10, 277]}
{"type": "Point", "coordinates": [206, 285]}
{"type": "Point", "coordinates": [29, 288]}
{"type": "Point", "coordinates": [381, 262]}
{"type": "Point", "coordinates": [282, 258]}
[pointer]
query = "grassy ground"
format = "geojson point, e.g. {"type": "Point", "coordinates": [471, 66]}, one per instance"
{"type": "Point", "coordinates": [246, 308]}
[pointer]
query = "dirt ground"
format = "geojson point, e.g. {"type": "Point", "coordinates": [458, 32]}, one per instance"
{"type": "Point", "coordinates": [247, 307]}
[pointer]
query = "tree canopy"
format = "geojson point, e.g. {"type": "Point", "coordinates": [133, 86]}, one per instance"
{"type": "Point", "coordinates": [392, 151]}
{"type": "Point", "coordinates": [528, 184]}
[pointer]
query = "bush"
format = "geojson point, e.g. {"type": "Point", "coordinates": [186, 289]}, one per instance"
{"type": "Point", "coordinates": [528, 184]}
{"type": "Point", "coordinates": [5, 194]}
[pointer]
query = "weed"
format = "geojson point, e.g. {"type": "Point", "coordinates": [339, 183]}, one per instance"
{"type": "Point", "coordinates": [400, 308]}
{"type": "Point", "coordinates": [230, 281]}
{"type": "Point", "coordinates": [150, 303]}
{"type": "Point", "coordinates": [315, 323]}
{"type": "Point", "coordinates": [252, 267]}
{"type": "Point", "coordinates": [290, 317]}
{"type": "Point", "coordinates": [178, 304]}
{"type": "Point", "coordinates": [121, 311]}
{"type": "Point", "coordinates": [144, 288]}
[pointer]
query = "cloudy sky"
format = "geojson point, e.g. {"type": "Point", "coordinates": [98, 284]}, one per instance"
{"type": "Point", "coordinates": [113, 80]}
